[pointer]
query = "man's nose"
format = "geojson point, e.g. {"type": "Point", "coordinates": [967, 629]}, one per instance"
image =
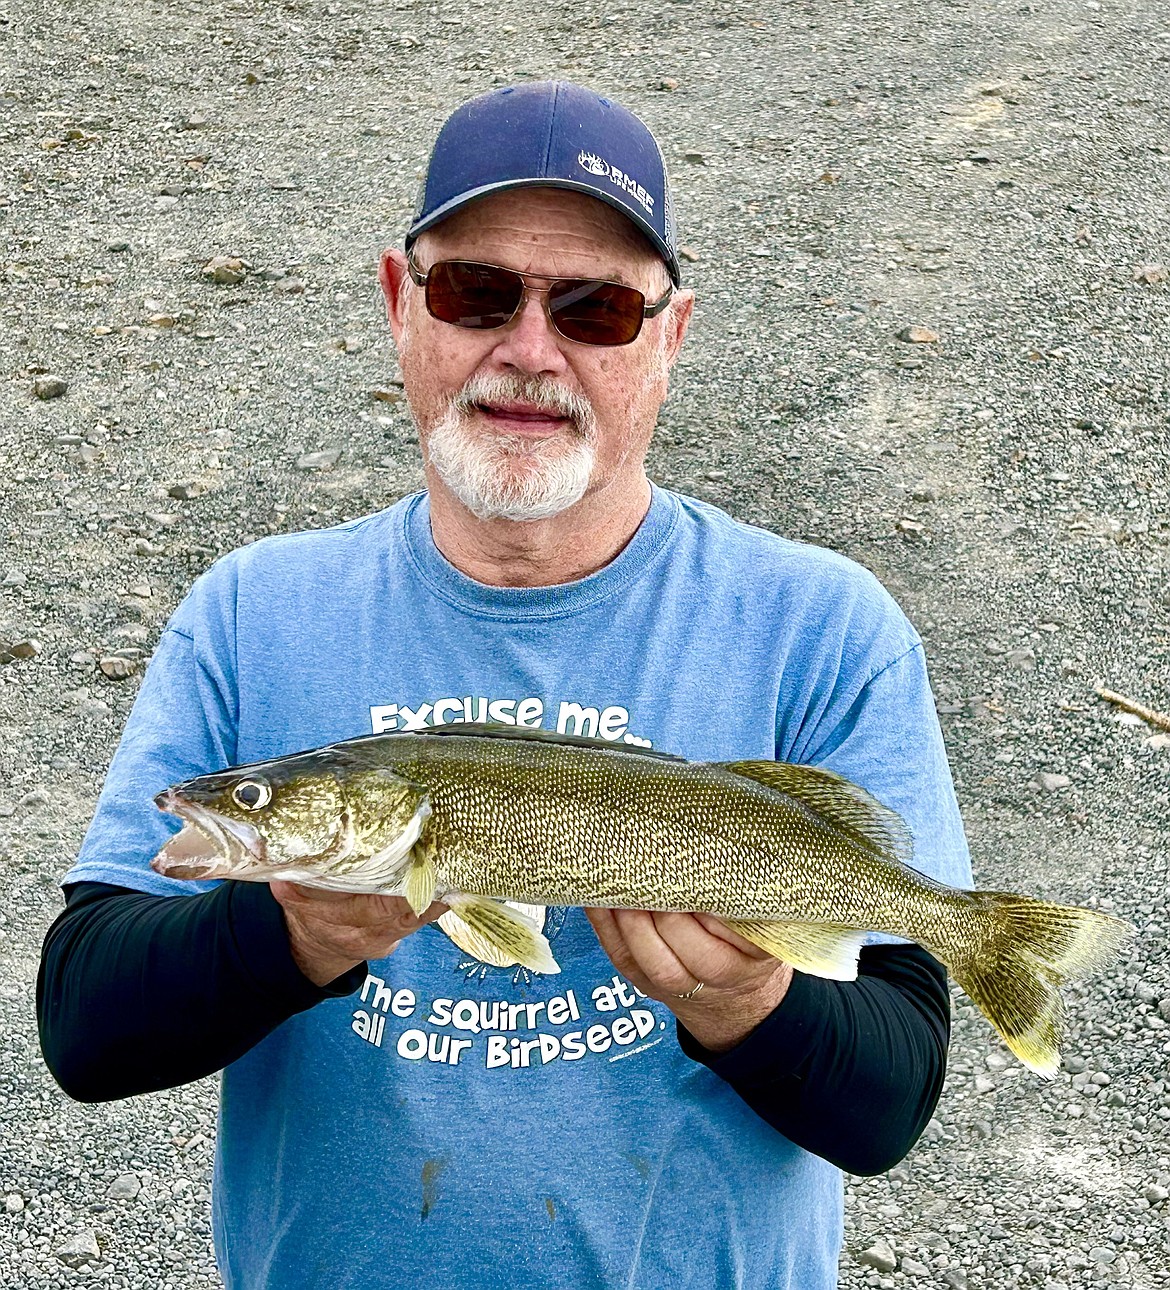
{"type": "Point", "coordinates": [529, 342]}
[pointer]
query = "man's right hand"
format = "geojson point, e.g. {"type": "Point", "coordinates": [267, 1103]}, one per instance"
{"type": "Point", "coordinates": [330, 932]}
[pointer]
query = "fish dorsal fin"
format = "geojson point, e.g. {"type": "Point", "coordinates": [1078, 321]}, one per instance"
{"type": "Point", "coordinates": [845, 806]}
{"type": "Point", "coordinates": [485, 729]}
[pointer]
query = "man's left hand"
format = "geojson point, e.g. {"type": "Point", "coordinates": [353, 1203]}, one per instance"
{"type": "Point", "coordinates": [666, 955]}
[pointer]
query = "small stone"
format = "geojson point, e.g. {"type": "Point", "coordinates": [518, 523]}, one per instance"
{"type": "Point", "coordinates": [24, 648]}
{"type": "Point", "coordinates": [289, 286]}
{"type": "Point", "coordinates": [1156, 1195]}
{"type": "Point", "coordinates": [118, 245]}
{"type": "Point", "coordinates": [955, 1279]}
{"type": "Point", "coordinates": [695, 158]}
{"type": "Point", "coordinates": [117, 669]}
{"type": "Point", "coordinates": [1050, 781]}
{"type": "Point", "coordinates": [668, 83]}
{"type": "Point", "coordinates": [226, 270]}
{"type": "Point", "coordinates": [1102, 1254]}
{"type": "Point", "coordinates": [916, 335]}
{"type": "Point", "coordinates": [879, 1256]}
{"type": "Point", "coordinates": [1024, 659]}
{"type": "Point", "coordinates": [185, 492]}
{"type": "Point", "coordinates": [689, 253]}
{"type": "Point", "coordinates": [81, 1247]}
{"type": "Point", "coordinates": [13, 1202]}
{"type": "Point", "coordinates": [136, 633]}
{"type": "Point", "coordinates": [984, 1084]}
{"type": "Point", "coordinates": [195, 121]}
{"type": "Point", "coordinates": [326, 459]}
{"type": "Point", "coordinates": [165, 518]}
{"type": "Point", "coordinates": [124, 1187]}
{"type": "Point", "coordinates": [1158, 742]}
{"type": "Point", "coordinates": [140, 589]}
{"type": "Point", "coordinates": [50, 387]}
{"type": "Point", "coordinates": [14, 578]}
{"type": "Point", "coordinates": [350, 344]}
{"type": "Point", "coordinates": [912, 1268]}
{"type": "Point", "coordinates": [1151, 273]}
{"type": "Point", "coordinates": [387, 394]}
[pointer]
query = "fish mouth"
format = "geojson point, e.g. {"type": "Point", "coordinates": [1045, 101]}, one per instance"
{"type": "Point", "coordinates": [208, 845]}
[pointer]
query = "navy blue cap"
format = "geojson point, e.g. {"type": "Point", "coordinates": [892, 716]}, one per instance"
{"type": "Point", "coordinates": [550, 134]}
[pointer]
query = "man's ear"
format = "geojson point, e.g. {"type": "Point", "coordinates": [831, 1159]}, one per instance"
{"type": "Point", "coordinates": [394, 279]}
{"type": "Point", "coordinates": [678, 319]}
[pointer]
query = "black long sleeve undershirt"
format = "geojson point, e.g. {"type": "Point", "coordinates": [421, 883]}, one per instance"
{"type": "Point", "coordinates": [139, 992]}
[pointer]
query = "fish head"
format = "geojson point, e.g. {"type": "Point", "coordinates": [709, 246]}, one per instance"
{"type": "Point", "coordinates": [302, 813]}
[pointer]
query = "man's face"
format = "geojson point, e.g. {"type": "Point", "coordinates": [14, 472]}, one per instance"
{"type": "Point", "coordinates": [518, 422]}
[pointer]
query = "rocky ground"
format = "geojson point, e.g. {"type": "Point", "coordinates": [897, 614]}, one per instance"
{"type": "Point", "coordinates": [993, 176]}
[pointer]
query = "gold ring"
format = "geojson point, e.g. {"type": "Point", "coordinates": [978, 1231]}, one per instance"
{"type": "Point", "coordinates": [690, 994]}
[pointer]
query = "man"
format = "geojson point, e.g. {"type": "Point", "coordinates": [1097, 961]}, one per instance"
{"type": "Point", "coordinates": [399, 1106]}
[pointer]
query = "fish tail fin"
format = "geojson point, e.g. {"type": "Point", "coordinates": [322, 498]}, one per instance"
{"type": "Point", "coordinates": [1024, 951]}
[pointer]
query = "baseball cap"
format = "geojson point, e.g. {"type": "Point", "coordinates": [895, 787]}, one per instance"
{"type": "Point", "coordinates": [550, 134]}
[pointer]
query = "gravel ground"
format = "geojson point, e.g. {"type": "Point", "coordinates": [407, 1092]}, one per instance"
{"type": "Point", "coordinates": [996, 175]}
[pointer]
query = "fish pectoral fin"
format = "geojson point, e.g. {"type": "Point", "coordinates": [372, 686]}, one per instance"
{"type": "Point", "coordinates": [509, 931]}
{"type": "Point", "coordinates": [421, 878]}
{"type": "Point", "coordinates": [820, 949]}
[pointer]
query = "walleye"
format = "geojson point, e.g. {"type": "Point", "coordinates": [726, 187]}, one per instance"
{"type": "Point", "coordinates": [796, 859]}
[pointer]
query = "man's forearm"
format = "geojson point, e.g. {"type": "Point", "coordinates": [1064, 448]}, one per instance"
{"type": "Point", "coordinates": [119, 1009]}
{"type": "Point", "coordinates": [851, 1071]}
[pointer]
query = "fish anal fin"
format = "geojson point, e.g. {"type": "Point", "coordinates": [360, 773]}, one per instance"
{"type": "Point", "coordinates": [511, 932]}
{"type": "Point", "coordinates": [843, 805]}
{"type": "Point", "coordinates": [820, 949]}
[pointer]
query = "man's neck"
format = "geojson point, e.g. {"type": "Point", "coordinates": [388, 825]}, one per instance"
{"type": "Point", "coordinates": [537, 553]}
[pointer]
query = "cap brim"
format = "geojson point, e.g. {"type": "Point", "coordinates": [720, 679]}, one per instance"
{"type": "Point", "coordinates": [465, 199]}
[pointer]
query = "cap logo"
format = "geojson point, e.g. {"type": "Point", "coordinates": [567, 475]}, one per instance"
{"type": "Point", "coordinates": [596, 165]}
{"type": "Point", "coordinates": [591, 162]}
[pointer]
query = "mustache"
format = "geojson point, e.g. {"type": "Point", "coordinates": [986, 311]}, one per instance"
{"type": "Point", "coordinates": [538, 391]}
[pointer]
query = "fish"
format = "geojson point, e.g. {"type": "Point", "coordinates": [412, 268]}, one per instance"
{"type": "Point", "coordinates": [796, 859]}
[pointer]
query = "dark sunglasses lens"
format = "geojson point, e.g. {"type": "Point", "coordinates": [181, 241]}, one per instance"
{"type": "Point", "coordinates": [596, 313]}
{"type": "Point", "coordinates": [472, 295]}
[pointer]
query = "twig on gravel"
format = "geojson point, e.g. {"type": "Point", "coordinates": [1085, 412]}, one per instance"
{"type": "Point", "coordinates": [1159, 719]}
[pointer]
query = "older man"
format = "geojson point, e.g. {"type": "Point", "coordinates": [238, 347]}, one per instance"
{"type": "Point", "coordinates": [399, 1103]}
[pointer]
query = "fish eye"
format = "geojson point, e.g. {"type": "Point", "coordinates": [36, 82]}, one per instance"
{"type": "Point", "coordinates": [252, 794]}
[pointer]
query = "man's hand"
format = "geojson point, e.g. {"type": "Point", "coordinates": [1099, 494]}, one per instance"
{"type": "Point", "coordinates": [666, 955]}
{"type": "Point", "coordinates": [330, 932]}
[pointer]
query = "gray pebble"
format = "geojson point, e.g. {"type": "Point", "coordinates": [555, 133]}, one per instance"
{"type": "Point", "coordinates": [326, 459]}
{"type": "Point", "coordinates": [124, 1187]}
{"type": "Point", "coordinates": [50, 387]}
{"type": "Point", "coordinates": [878, 1256]}
{"type": "Point", "coordinates": [81, 1247]}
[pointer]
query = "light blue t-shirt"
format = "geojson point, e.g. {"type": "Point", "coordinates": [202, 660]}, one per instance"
{"type": "Point", "coordinates": [462, 1125]}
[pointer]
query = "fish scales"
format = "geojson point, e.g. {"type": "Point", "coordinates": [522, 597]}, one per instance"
{"type": "Point", "coordinates": [544, 825]}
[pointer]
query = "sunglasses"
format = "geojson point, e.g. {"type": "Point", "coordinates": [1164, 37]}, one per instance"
{"type": "Point", "coordinates": [483, 296]}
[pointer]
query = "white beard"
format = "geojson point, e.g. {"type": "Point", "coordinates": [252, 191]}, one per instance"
{"type": "Point", "coordinates": [514, 477]}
